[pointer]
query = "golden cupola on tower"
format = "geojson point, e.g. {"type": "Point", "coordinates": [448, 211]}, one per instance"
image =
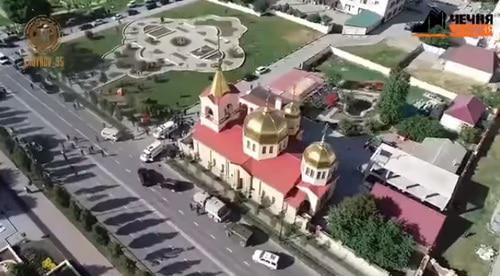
{"type": "Point", "coordinates": [319, 155]}
{"type": "Point", "coordinates": [266, 126]}
{"type": "Point", "coordinates": [292, 110]}
{"type": "Point", "coordinates": [219, 85]}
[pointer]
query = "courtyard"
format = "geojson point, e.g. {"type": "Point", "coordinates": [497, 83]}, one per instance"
{"type": "Point", "coordinates": [266, 40]}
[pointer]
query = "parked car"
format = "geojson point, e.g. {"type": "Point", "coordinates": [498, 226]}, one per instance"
{"type": "Point", "coordinates": [3, 92]}
{"type": "Point", "coordinates": [261, 70]}
{"type": "Point", "coordinates": [132, 4]}
{"type": "Point", "coordinates": [164, 2]}
{"type": "Point", "coordinates": [98, 22]}
{"type": "Point", "coordinates": [118, 17]}
{"type": "Point", "coordinates": [266, 258]}
{"type": "Point", "coordinates": [151, 6]}
{"type": "Point", "coordinates": [86, 26]}
{"type": "Point", "coordinates": [145, 177]}
{"type": "Point", "coordinates": [4, 59]}
{"type": "Point", "coordinates": [132, 12]}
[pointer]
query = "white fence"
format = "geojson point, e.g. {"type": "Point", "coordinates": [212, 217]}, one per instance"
{"type": "Point", "coordinates": [433, 49]}
{"type": "Point", "coordinates": [236, 7]}
{"type": "Point", "coordinates": [432, 88]}
{"type": "Point", "coordinates": [316, 26]}
{"type": "Point", "coordinates": [349, 257]}
{"type": "Point", "coordinates": [361, 61]}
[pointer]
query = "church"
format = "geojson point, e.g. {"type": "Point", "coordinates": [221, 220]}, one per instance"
{"type": "Point", "coordinates": [258, 151]}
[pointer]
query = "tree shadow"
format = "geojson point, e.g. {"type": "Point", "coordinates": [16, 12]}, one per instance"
{"type": "Point", "coordinates": [164, 253]}
{"type": "Point", "coordinates": [90, 270]}
{"type": "Point", "coordinates": [126, 217]}
{"type": "Point", "coordinates": [389, 208]}
{"type": "Point", "coordinates": [12, 120]}
{"type": "Point", "coordinates": [151, 239]}
{"type": "Point", "coordinates": [59, 172]}
{"type": "Point", "coordinates": [204, 273]}
{"type": "Point", "coordinates": [78, 59]}
{"type": "Point", "coordinates": [59, 163]}
{"type": "Point", "coordinates": [79, 177]}
{"type": "Point", "coordinates": [258, 237]}
{"type": "Point", "coordinates": [4, 108]}
{"type": "Point", "coordinates": [96, 197]}
{"type": "Point", "coordinates": [454, 227]}
{"type": "Point", "coordinates": [137, 226]}
{"type": "Point", "coordinates": [470, 196]}
{"type": "Point", "coordinates": [178, 267]}
{"type": "Point", "coordinates": [13, 113]}
{"type": "Point", "coordinates": [26, 130]}
{"type": "Point", "coordinates": [113, 203]}
{"type": "Point", "coordinates": [95, 189]}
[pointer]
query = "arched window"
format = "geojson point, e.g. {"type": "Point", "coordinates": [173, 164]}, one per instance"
{"type": "Point", "coordinates": [271, 149]}
{"type": "Point", "coordinates": [264, 150]}
{"type": "Point", "coordinates": [208, 112]}
{"type": "Point", "coordinates": [253, 147]}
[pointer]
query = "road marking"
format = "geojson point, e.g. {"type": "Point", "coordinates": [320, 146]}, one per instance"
{"type": "Point", "coordinates": [180, 212]}
{"type": "Point", "coordinates": [195, 223]}
{"type": "Point", "coordinates": [229, 249]}
{"type": "Point", "coordinates": [246, 263]}
{"type": "Point", "coordinates": [117, 162]}
{"type": "Point", "coordinates": [127, 170]}
{"type": "Point", "coordinates": [185, 259]}
{"type": "Point", "coordinates": [117, 180]}
{"type": "Point", "coordinates": [126, 207]}
{"type": "Point", "coordinates": [164, 199]}
{"type": "Point", "coordinates": [212, 236]}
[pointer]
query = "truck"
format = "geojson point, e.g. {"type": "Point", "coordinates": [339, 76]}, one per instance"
{"type": "Point", "coordinates": [215, 208]}
{"type": "Point", "coordinates": [241, 232]}
{"type": "Point", "coordinates": [152, 151]}
{"type": "Point", "coordinates": [162, 131]}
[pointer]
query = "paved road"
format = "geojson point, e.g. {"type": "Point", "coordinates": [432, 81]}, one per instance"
{"type": "Point", "coordinates": [60, 228]}
{"type": "Point", "coordinates": [155, 224]}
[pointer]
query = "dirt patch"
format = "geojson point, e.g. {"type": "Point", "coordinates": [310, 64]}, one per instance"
{"type": "Point", "coordinates": [449, 81]}
{"type": "Point", "coordinates": [300, 37]}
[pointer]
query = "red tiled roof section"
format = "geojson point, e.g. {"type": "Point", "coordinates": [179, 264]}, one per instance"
{"type": "Point", "coordinates": [282, 172]}
{"type": "Point", "coordinates": [258, 95]}
{"type": "Point", "coordinates": [318, 190]}
{"type": "Point", "coordinates": [475, 57]}
{"type": "Point", "coordinates": [422, 222]}
{"type": "Point", "coordinates": [285, 82]}
{"type": "Point", "coordinates": [295, 198]}
{"type": "Point", "coordinates": [468, 109]}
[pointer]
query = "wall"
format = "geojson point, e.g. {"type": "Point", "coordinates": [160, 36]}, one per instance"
{"type": "Point", "coordinates": [316, 59]}
{"type": "Point", "coordinates": [433, 88]}
{"type": "Point", "coordinates": [433, 49]}
{"type": "Point", "coordinates": [469, 72]}
{"type": "Point", "coordinates": [236, 7]}
{"type": "Point", "coordinates": [350, 30]}
{"type": "Point", "coordinates": [348, 256]}
{"type": "Point", "coordinates": [316, 26]}
{"type": "Point", "coordinates": [361, 61]}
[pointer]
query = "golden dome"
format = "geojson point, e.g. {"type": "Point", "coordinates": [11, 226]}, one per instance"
{"type": "Point", "coordinates": [292, 110]}
{"type": "Point", "coordinates": [319, 155]}
{"type": "Point", "coordinates": [266, 126]}
{"type": "Point", "coordinates": [219, 85]}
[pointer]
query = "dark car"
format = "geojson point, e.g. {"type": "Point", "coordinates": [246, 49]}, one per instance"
{"type": "Point", "coordinates": [86, 26]}
{"type": "Point", "coordinates": [170, 184]}
{"type": "Point", "coordinates": [151, 5]}
{"type": "Point", "coordinates": [145, 177]}
{"type": "Point", "coordinates": [164, 2]}
{"type": "Point", "coordinates": [3, 92]}
{"type": "Point", "coordinates": [132, 12]}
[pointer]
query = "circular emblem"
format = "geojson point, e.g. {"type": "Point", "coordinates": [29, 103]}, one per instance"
{"type": "Point", "coordinates": [42, 34]}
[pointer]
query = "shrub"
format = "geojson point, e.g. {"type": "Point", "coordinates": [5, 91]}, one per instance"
{"type": "Point", "coordinates": [101, 235]}
{"type": "Point", "coordinates": [470, 135]}
{"type": "Point", "coordinates": [235, 53]}
{"type": "Point", "coordinates": [444, 42]}
{"type": "Point", "coordinates": [48, 264]}
{"type": "Point", "coordinates": [122, 64]}
{"type": "Point", "coordinates": [116, 249]}
{"type": "Point", "coordinates": [418, 128]}
{"type": "Point", "coordinates": [62, 196]}
{"type": "Point", "coordinates": [104, 103]}
{"type": "Point", "coordinates": [88, 220]}
{"type": "Point", "coordinates": [93, 97]}
{"type": "Point", "coordinates": [118, 114]}
{"type": "Point", "coordinates": [110, 108]}
{"type": "Point", "coordinates": [314, 17]}
{"type": "Point", "coordinates": [130, 265]}
{"type": "Point", "coordinates": [103, 77]}
{"type": "Point", "coordinates": [89, 34]}
{"type": "Point", "coordinates": [374, 125]}
{"type": "Point", "coordinates": [76, 210]}
{"type": "Point", "coordinates": [349, 128]}
{"type": "Point", "coordinates": [489, 97]}
{"type": "Point", "coordinates": [260, 5]}
{"type": "Point", "coordinates": [22, 159]}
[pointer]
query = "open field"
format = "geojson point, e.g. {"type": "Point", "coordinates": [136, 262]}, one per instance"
{"type": "Point", "coordinates": [449, 81]}
{"type": "Point", "coordinates": [381, 53]}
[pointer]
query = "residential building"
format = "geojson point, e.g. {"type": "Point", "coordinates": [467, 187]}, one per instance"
{"type": "Point", "coordinates": [464, 111]}
{"type": "Point", "coordinates": [427, 171]}
{"type": "Point", "coordinates": [362, 24]}
{"type": "Point", "coordinates": [258, 152]}
{"type": "Point", "coordinates": [472, 62]}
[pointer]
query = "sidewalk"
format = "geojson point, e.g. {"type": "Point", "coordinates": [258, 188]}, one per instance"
{"type": "Point", "coordinates": [67, 234]}
{"type": "Point", "coordinates": [318, 259]}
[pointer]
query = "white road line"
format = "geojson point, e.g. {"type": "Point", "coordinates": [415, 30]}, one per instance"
{"type": "Point", "coordinates": [246, 263]}
{"type": "Point", "coordinates": [126, 207]}
{"type": "Point", "coordinates": [164, 199]}
{"type": "Point", "coordinates": [117, 180]}
{"type": "Point", "coordinates": [117, 162]}
{"type": "Point", "coordinates": [229, 250]}
{"type": "Point", "coordinates": [180, 212]}
{"type": "Point", "coordinates": [212, 236]}
{"type": "Point", "coordinates": [195, 223]}
{"type": "Point", "coordinates": [127, 170]}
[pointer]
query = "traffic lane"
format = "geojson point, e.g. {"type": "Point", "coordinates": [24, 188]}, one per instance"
{"type": "Point", "coordinates": [114, 198]}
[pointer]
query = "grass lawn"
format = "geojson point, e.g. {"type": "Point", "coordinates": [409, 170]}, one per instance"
{"type": "Point", "coordinates": [4, 21]}
{"type": "Point", "coordinates": [446, 80]}
{"type": "Point", "coordinates": [268, 39]}
{"type": "Point", "coordinates": [461, 255]}
{"type": "Point", "coordinates": [354, 72]}
{"type": "Point", "coordinates": [380, 53]}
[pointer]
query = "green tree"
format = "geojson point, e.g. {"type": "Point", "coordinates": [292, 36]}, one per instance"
{"type": "Point", "coordinates": [110, 108]}
{"type": "Point", "coordinates": [116, 249]}
{"type": "Point", "coordinates": [417, 128]}
{"type": "Point", "coordinates": [314, 17]}
{"type": "Point", "coordinates": [62, 196]}
{"type": "Point", "coordinates": [470, 135]}
{"type": "Point", "coordinates": [130, 265]}
{"type": "Point", "coordinates": [93, 97]}
{"type": "Point", "coordinates": [349, 127]}
{"type": "Point", "coordinates": [118, 114]}
{"type": "Point", "coordinates": [22, 159]}
{"type": "Point", "coordinates": [260, 5]}
{"type": "Point", "coordinates": [101, 234]}
{"type": "Point", "coordinates": [88, 220]}
{"type": "Point", "coordinates": [22, 269]}
{"type": "Point", "coordinates": [489, 97]}
{"type": "Point", "coordinates": [104, 104]}
{"type": "Point", "coordinates": [103, 77]}
{"type": "Point", "coordinates": [333, 76]}
{"type": "Point", "coordinates": [393, 97]}
{"type": "Point", "coordinates": [76, 210]}
{"type": "Point", "coordinates": [21, 11]}
{"type": "Point", "coordinates": [441, 42]}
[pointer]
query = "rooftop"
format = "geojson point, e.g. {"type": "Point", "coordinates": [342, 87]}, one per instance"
{"type": "Point", "coordinates": [475, 57]}
{"type": "Point", "coordinates": [296, 82]}
{"type": "Point", "coordinates": [468, 109]}
{"type": "Point", "coordinates": [258, 95]}
{"type": "Point", "coordinates": [364, 19]}
{"type": "Point", "coordinates": [422, 222]}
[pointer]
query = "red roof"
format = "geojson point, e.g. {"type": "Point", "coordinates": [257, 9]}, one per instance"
{"type": "Point", "coordinates": [319, 191]}
{"type": "Point", "coordinates": [422, 222]}
{"type": "Point", "coordinates": [474, 57]}
{"type": "Point", "coordinates": [285, 82]}
{"type": "Point", "coordinates": [282, 172]}
{"type": "Point", "coordinates": [296, 197]}
{"type": "Point", "coordinates": [468, 109]}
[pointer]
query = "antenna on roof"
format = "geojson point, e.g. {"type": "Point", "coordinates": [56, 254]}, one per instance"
{"type": "Point", "coordinates": [219, 61]}
{"type": "Point", "coordinates": [324, 134]}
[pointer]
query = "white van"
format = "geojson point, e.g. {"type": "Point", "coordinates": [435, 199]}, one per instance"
{"type": "Point", "coordinates": [266, 258]}
{"type": "Point", "coordinates": [162, 131]}
{"type": "Point", "coordinates": [149, 154]}
{"type": "Point", "coordinates": [110, 133]}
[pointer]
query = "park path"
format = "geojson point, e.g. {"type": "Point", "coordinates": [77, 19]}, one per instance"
{"type": "Point", "coordinates": [61, 228]}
